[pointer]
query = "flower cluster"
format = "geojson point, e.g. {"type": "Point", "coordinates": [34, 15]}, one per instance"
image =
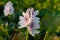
{"type": "Point", "coordinates": [30, 21]}
{"type": "Point", "coordinates": [8, 9]}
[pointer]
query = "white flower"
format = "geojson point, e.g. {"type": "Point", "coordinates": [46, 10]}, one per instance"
{"type": "Point", "coordinates": [8, 9]}
{"type": "Point", "coordinates": [6, 24]}
{"type": "Point", "coordinates": [30, 21]}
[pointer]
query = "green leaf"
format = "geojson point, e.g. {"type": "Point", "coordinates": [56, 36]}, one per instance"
{"type": "Point", "coordinates": [11, 25]}
{"type": "Point", "coordinates": [50, 22]}
{"type": "Point", "coordinates": [1, 38]}
{"type": "Point", "coordinates": [4, 33]}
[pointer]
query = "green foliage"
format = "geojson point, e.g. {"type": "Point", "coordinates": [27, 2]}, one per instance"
{"type": "Point", "coordinates": [1, 38]}
{"type": "Point", "coordinates": [3, 33]}
{"type": "Point", "coordinates": [49, 12]}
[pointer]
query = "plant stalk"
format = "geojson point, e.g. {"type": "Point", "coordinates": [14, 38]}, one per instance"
{"type": "Point", "coordinates": [27, 35]}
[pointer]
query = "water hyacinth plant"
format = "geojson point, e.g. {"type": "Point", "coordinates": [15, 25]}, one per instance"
{"type": "Point", "coordinates": [19, 20]}
{"type": "Point", "coordinates": [30, 21]}
{"type": "Point", "coordinates": [8, 9]}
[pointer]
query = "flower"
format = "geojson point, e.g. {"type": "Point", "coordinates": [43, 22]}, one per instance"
{"type": "Point", "coordinates": [6, 24]}
{"type": "Point", "coordinates": [30, 21]}
{"type": "Point", "coordinates": [8, 9]}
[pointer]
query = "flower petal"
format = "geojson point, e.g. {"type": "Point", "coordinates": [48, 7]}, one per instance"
{"type": "Point", "coordinates": [36, 26]}
{"type": "Point", "coordinates": [36, 12]}
{"type": "Point", "coordinates": [32, 11]}
{"type": "Point", "coordinates": [23, 13]}
{"type": "Point", "coordinates": [23, 21]}
{"type": "Point", "coordinates": [35, 32]}
{"type": "Point", "coordinates": [21, 18]}
{"type": "Point", "coordinates": [28, 10]}
{"type": "Point", "coordinates": [36, 19]}
{"type": "Point", "coordinates": [22, 25]}
{"type": "Point", "coordinates": [26, 15]}
{"type": "Point", "coordinates": [30, 32]}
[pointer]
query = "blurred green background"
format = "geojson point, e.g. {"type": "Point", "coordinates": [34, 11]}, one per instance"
{"type": "Point", "coordinates": [42, 5]}
{"type": "Point", "coordinates": [49, 12]}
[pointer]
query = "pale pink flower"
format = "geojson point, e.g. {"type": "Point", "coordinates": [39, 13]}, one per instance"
{"type": "Point", "coordinates": [30, 21]}
{"type": "Point", "coordinates": [8, 9]}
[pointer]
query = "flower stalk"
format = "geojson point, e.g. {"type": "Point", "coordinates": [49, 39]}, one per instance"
{"type": "Point", "coordinates": [27, 36]}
